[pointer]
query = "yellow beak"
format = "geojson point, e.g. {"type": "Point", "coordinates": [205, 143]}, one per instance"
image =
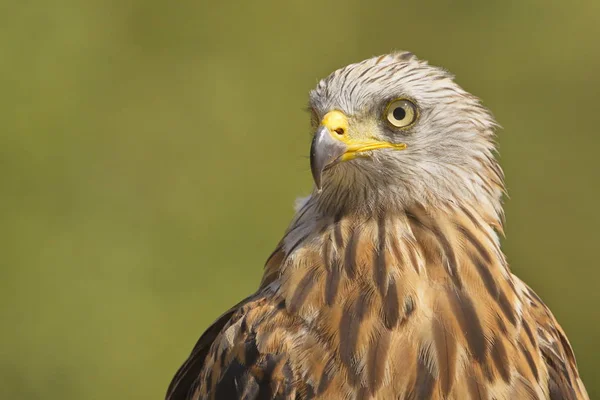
{"type": "Point", "coordinates": [332, 144]}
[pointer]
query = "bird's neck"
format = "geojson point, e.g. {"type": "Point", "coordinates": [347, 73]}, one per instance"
{"type": "Point", "coordinates": [394, 286]}
{"type": "Point", "coordinates": [324, 260]}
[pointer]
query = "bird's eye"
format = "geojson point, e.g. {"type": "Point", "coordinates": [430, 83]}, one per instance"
{"type": "Point", "coordinates": [401, 113]}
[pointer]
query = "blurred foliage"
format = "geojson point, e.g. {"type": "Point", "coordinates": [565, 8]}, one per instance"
{"type": "Point", "coordinates": [150, 153]}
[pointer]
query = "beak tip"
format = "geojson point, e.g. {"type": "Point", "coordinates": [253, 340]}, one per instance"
{"type": "Point", "coordinates": [317, 179]}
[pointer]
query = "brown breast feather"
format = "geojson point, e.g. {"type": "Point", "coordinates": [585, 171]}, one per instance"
{"type": "Point", "coordinates": [418, 305]}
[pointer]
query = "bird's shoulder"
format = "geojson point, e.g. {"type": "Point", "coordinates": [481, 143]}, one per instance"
{"type": "Point", "coordinates": [244, 354]}
{"type": "Point", "coordinates": [544, 332]}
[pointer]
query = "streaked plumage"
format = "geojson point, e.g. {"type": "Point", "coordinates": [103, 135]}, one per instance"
{"type": "Point", "coordinates": [390, 282]}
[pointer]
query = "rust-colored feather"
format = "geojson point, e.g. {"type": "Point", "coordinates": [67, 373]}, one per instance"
{"type": "Point", "coordinates": [329, 318]}
{"type": "Point", "coordinates": [470, 324]}
{"type": "Point", "coordinates": [446, 350]}
{"type": "Point", "coordinates": [377, 357]}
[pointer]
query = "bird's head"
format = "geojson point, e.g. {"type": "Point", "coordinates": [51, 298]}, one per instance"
{"type": "Point", "coordinates": [391, 131]}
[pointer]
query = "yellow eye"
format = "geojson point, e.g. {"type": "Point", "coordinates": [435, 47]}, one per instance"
{"type": "Point", "coordinates": [401, 113]}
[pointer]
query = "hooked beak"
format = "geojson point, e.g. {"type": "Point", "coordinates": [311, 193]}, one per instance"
{"type": "Point", "coordinates": [324, 151]}
{"type": "Point", "coordinates": [332, 144]}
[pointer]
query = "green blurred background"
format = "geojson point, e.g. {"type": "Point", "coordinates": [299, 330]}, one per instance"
{"type": "Point", "coordinates": [150, 154]}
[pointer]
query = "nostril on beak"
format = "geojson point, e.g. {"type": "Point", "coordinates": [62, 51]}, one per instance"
{"type": "Point", "coordinates": [339, 131]}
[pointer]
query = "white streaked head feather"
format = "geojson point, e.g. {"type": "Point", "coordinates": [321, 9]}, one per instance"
{"type": "Point", "coordinates": [450, 153]}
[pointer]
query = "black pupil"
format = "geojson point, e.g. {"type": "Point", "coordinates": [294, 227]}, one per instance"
{"type": "Point", "coordinates": [399, 113]}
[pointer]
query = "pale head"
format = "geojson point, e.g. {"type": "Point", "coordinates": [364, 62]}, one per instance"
{"type": "Point", "coordinates": [392, 131]}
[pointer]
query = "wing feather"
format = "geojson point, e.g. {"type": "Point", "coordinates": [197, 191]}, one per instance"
{"type": "Point", "coordinates": [188, 373]}
{"type": "Point", "coordinates": [564, 382]}
{"type": "Point", "coordinates": [241, 356]}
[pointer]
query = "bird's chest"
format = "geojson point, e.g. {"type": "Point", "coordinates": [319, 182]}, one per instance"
{"type": "Point", "coordinates": [364, 316]}
{"type": "Point", "coordinates": [388, 318]}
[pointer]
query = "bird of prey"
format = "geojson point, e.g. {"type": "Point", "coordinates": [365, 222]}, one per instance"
{"type": "Point", "coordinates": [390, 282]}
